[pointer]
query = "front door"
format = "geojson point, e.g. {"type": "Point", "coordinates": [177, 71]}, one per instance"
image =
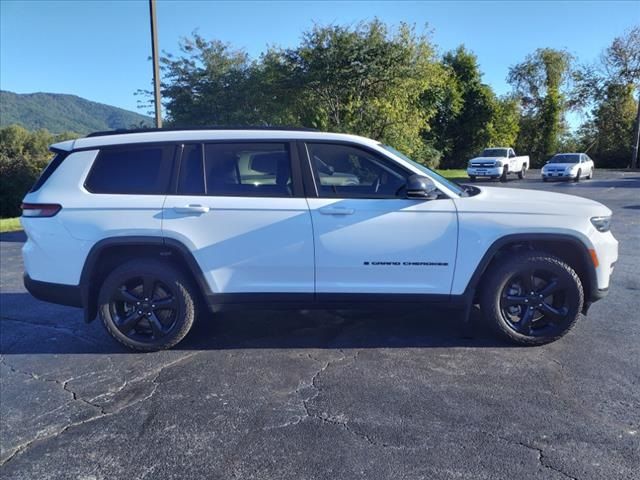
{"type": "Point", "coordinates": [240, 210]}
{"type": "Point", "coordinates": [369, 238]}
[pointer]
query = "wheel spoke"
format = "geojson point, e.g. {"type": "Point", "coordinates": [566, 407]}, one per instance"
{"type": "Point", "coordinates": [148, 284]}
{"type": "Point", "coordinates": [129, 322]}
{"type": "Point", "coordinates": [165, 303]}
{"type": "Point", "coordinates": [549, 288]}
{"type": "Point", "coordinates": [156, 325]}
{"type": "Point", "coordinates": [123, 295]}
{"type": "Point", "coordinates": [552, 313]}
{"type": "Point", "coordinates": [524, 325]}
{"type": "Point", "coordinates": [528, 282]}
{"type": "Point", "coordinates": [513, 300]}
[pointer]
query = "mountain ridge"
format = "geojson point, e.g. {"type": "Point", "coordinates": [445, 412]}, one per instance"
{"type": "Point", "coordinates": [62, 112]}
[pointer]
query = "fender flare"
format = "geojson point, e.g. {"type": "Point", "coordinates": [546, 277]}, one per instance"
{"type": "Point", "coordinates": [592, 294]}
{"type": "Point", "coordinates": [88, 291]}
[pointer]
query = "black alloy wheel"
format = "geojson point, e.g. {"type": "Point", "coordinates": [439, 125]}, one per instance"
{"type": "Point", "coordinates": [147, 304]}
{"type": "Point", "coordinates": [535, 303]}
{"type": "Point", "coordinates": [144, 308]}
{"type": "Point", "coordinates": [532, 297]}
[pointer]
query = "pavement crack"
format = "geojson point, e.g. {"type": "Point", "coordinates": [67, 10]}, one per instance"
{"type": "Point", "coordinates": [325, 419]}
{"type": "Point", "coordinates": [102, 412]}
{"type": "Point", "coordinates": [541, 457]}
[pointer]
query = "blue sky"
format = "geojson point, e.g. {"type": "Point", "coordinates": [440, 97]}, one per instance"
{"type": "Point", "coordinates": [99, 49]}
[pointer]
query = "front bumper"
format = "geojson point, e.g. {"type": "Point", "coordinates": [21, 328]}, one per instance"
{"type": "Point", "coordinates": [559, 175]}
{"type": "Point", "coordinates": [484, 171]}
{"type": "Point", "coordinates": [54, 292]}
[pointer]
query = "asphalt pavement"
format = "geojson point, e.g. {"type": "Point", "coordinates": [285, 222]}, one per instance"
{"type": "Point", "coordinates": [327, 394]}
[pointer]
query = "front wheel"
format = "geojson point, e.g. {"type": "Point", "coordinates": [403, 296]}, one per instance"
{"type": "Point", "coordinates": [533, 298]}
{"type": "Point", "coordinates": [147, 305]}
{"type": "Point", "coordinates": [505, 172]}
{"type": "Point", "coordinates": [577, 179]}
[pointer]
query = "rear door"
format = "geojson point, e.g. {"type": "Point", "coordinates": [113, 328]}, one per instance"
{"type": "Point", "coordinates": [239, 208]}
{"type": "Point", "coordinates": [369, 238]}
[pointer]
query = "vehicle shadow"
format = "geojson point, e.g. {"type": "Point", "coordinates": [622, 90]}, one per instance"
{"type": "Point", "coordinates": [52, 329]}
{"type": "Point", "coordinates": [13, 237]}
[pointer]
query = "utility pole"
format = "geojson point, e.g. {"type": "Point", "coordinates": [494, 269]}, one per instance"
{"type": "Point", "coordinates": [156, 67]}
{"type": "Point", "coordinates": [636, 137]}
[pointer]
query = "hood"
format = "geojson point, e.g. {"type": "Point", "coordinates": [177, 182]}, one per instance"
{"type": "Point", "coordinates": [487, 159]}
{"type": "Point", "coordinates": [534, 202]}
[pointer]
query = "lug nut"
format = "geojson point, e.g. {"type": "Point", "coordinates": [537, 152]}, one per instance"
{"type": "Point", "coordinates": [139, 312]}
{"type": "Point", "coordinates": [153, 306]}
{"type": "Point", "coordinates": [149, 314]}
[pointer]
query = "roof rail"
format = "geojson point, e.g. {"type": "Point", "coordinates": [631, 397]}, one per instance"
{"type": "Point", "coordinates": [124, 131]}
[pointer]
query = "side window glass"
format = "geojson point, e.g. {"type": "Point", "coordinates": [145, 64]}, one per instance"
{"type": "Point", "coordinates": [142, 170]}
{"type": "Point", "coordinates": [248, 169]}
{"type": "Point", "coordinates": [191, 178]}
{"type": "Point", "coordinates": [350, 172]}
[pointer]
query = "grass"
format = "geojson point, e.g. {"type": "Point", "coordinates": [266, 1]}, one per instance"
{"type": "Point", "coordinates": [454, 174]}
{"type": "Point", "coordinates": [10, 225]}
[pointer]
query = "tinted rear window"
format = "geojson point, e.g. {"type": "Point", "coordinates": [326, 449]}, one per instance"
{"type": "Point", "coordinates": [236, 169]}
{"type": "Point", "coordinates": [132, 170]}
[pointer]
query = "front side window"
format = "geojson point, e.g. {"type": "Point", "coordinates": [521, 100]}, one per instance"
{"type": "Point", "coordinates": [349, 172]}
{"type": "Point", "coordinates": [236, 169]}
{"type": "Point", "coordinates": [141, 170]}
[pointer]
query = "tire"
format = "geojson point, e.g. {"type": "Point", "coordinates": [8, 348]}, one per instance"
{"type": "Point", "coordinates": [141, 324]}
{"type": "Point", "coordinates": [522, 173]}
{"type": "Point", "coordinates": [545, 179]}
{"type": "Point", "coordinates": [472, 178]}
{"type": "Point", "coordinates": [590, 176]}
{"type": "Point", "coordinates": [503, 177]}
{"type": "Point", "coordinates": [525, 318]}
{"type": "Point", "coordinates": [577, 179]}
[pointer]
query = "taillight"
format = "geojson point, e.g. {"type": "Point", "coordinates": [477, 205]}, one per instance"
{"type": "Point", "coordinates": [40, 209]}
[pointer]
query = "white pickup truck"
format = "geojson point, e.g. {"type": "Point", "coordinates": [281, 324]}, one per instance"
{"type": "Point", "coordinates": [498, 163]}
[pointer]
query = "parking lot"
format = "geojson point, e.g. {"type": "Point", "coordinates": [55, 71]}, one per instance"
{"type": "Point", "coordinates": [328, 394]}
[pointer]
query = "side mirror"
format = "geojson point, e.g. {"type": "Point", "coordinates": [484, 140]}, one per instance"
{"type": "Point", "coordinates": [421, 188]}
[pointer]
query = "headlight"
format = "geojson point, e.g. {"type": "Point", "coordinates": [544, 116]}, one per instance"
{"type": "Point", "coordinates": [602, 224]}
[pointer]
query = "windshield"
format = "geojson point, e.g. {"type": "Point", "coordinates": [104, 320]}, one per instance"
{"type": "Point", "coordinates": [495, 152]}
{"type": "Point", "coordinates": [427, 171]}
{"type": "Point", "coordinates": [565, 158]}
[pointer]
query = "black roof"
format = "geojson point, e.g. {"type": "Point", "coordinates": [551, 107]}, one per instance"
{"type": "Point", "coordinates": [124, 131]}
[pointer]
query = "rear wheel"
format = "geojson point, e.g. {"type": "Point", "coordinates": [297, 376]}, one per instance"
{"type": "Point", "coordinates": [505, 172]}
{"type": "Point", "coordinates": [523, 172]}
{"type": "Point", "coordinates": [532, 299]}
{"type": "Point", "coordinates": [590, 176]}
{"type": "Point", "coordinates": [147, 305]}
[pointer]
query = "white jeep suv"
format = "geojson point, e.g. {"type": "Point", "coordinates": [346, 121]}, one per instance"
{"type": "Point", "coordinates": [146, 229]}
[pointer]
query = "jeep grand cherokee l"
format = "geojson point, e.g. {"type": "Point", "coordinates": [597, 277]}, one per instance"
{"type": "Point", "coordinates": [147, 229]}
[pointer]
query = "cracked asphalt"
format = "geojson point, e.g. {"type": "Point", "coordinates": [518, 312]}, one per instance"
{"type": "Point", "coordinates": [327, 394]}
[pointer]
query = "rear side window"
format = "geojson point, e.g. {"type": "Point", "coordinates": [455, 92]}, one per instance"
{"type": "Point", "coordinates": [132, 170]}
{"type": "Point", "coordinates": [236, 169]}
{"type": "Point", "coordinates": [49, 169]}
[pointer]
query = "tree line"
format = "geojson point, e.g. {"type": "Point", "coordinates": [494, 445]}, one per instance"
{"type": "Point", "coordinates": [391, 84]}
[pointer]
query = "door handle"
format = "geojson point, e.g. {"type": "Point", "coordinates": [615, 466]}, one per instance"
{"type": "Point", "coordinates": [336, 211]}
{"type": "Point", "coordinates": [191, 209]}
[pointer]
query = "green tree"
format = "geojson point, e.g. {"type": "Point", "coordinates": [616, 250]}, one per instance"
{"type": "Point", "coordinates": [23, 155]}
{"type": "Point", "coordinates": [466, 120]}
{"type": "Point", "coordinates": [542, 81]}
{"type": "Point", "coordinates": [608, 87]}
